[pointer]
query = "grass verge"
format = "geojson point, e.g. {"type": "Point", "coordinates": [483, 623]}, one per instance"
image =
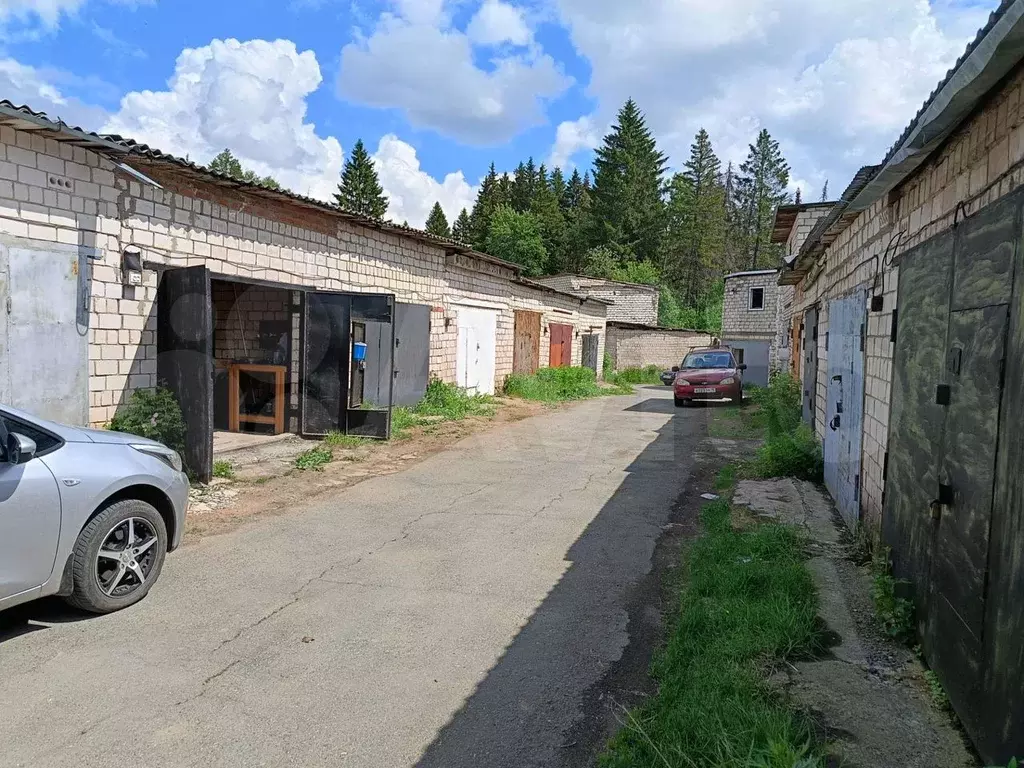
{"type": "Point", "coordinates": [747, 605]}
{"type": "Point", "coordinates": [442, 402]}
{"type": "Point", "coordinates": [790, 448]}
{"type": "Point", "coordinates": [553, 385]}
{"type": "Point", "coordinates": [627, 377]}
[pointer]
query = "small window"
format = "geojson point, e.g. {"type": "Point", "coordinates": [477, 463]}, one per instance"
{"type": "Point", "coordinates": [757, 298]}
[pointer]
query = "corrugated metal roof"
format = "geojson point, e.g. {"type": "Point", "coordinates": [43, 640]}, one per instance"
{"type": "Point", "coordinates": [24, 118]}
{"type": "Point", "coordinates": [751, 273]}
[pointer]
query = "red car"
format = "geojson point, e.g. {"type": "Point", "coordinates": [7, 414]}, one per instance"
{"type": "Point", "coordinates": [711, 374]}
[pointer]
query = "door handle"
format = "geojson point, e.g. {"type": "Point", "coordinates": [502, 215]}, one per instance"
{"type": "Point", "coordinates": [834, 424]}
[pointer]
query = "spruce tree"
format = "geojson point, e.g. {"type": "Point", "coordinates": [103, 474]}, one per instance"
{"type": "Point", "coordinates": [360, 190]}
{"type": "Point", "coordinates": [227, 164]}
{"type": "Point", "coordinates": [437, 223]}
{"type": "Point", "coordinates": [629, 210]}
{"type": "Point", "coordinates": [462, 228]}
{"type": "Point", "coordinates": [824, 192]}
{"type": "Point", "coordinates": [695, 243]}
{"type": "Point", "coordinates": [558, 185]}
{"type": "Point", "coordinates": [760, 189]}
{"type": "Point", "coordinates": [578, 224]}
{"type": "Point", "coordinates": [483, 209]}
{"type": "Point", "coordinates": [524, 186]}
{"type": "Point", "coordinates": [550, 219]}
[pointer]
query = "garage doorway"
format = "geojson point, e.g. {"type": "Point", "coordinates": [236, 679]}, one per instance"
{"type": "Point", "coordinates": [560, 354]}
{"type": "Point", "coordinates": [475, 356]}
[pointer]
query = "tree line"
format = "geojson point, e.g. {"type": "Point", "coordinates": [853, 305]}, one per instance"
{"type": "Point", "coordinates": [624, 219]}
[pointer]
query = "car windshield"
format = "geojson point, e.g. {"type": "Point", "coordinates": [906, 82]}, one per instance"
{"type": "Point", "coordinates": [708, 360]}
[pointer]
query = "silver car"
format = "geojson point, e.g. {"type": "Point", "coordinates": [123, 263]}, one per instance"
{"type": "Point", "coordinates": [84, 513]}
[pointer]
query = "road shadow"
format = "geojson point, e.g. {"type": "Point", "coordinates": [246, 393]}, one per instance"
{"type": "Point", "coordinates": [523, 712]}
{"type": "Point", "coordinates": [662, 405]}
{"type": "Point", "coordinates": [36, 616]}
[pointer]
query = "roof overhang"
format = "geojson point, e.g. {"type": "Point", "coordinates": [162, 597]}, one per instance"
{"type": "Point", "coordinates": [786, 216]}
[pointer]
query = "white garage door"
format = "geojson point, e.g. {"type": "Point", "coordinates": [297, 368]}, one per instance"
{"type": "Point", "coordinates": [474, 363]}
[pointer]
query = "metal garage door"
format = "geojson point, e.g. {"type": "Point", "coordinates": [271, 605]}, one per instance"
{"type": "Point", "coordinates": [474, 362]}
{"type": "Point", "coordinates": [44, 330]}
{"type": "Point", "coordinates": [844, 407]}
{"type": "Point", "coordinates": [753, 354]}
{"type": "Point", "coordinates": [411, 357]}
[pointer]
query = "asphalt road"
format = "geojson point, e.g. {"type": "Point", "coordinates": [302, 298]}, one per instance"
{"type": "Point", "coordinates": [450, 615]}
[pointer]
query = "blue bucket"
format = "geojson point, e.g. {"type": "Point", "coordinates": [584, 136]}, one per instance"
{"type": "Point", "coordinates": [358, 351]}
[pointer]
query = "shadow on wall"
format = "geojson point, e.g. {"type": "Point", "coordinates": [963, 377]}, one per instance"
{"type": "Point", "coordinates": [520, 713]}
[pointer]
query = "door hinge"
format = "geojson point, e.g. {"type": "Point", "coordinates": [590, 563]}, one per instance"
{"type": "Point", "coordinates": [885, 467]}
{"type": "Point", "coordinates": [856, 488]}
{"type": "Point", "coordinates": [892, 331]}
{"type": "Point", "coordinates": [955, 360]}
{"type": "Point", "coordinates": [827, 334]}
{"type": "Point", "coordinates": [943, 394]}
{"type": "Point", "coordinates": [862, 337]}
{"type": "Point", "coordinates": [9, 305]}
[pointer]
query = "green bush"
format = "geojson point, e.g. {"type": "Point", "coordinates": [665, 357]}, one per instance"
{"type": "Point", "coordinates": [554, 384]}
{"type": "Point", "coordinates": [223, 469]}
{"type": "Point", "coordinates": [153, 414]}
{"type": "Point", "coordinates": [452, 402]}
{"type": "Point", "coordinates": [790, 448]}
{"type": "Point", "coordinates": [314, 458]}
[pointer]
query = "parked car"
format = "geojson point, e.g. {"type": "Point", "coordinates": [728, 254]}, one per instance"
{"type": "Point", "coordinates": [86, 514]}
{"type": "Point", "coordinates": [708, 374]}
{"type": "Point", "coordinates": [667, 377]}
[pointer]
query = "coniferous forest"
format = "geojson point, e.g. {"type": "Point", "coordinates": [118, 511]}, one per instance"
{"type": "Point", "coordinates": [626, 218]}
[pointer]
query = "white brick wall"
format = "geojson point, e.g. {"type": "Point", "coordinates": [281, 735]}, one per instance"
{"type": "Point", "coordinates": [638, 348]}
{"type": "Point", "coordinates": [980, 163]}
{"type": "Point", "coordinates": [191, 222]}
{"type": "Point", "coordinates": [629, 303]}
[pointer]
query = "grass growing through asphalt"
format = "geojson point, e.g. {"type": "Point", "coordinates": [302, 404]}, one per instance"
{"type": "Point", "coordinates": [314, 458]}
{"type": "Point", "coordinates": [748, 604]}
{"type": "Point", "coordinates": [442, 402]}
{"type": "Point", "coordinates": [338, 440]}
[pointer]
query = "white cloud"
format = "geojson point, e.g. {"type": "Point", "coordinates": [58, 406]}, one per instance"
{"type": "Point", "coordinates": [413, 192]}
{"type": "Point", "coordinates": [416, 62]}
{"type": "Point", "coordinates": [249, 97]}
{"type": "Point", "coordinates": [497, 22]}
{"type": "Point", "coordinates": [38, 89]}
{"type": "Point", "coordinates": [834, 82]}
{"type": "Point", "coordinates": [48, 12]}
{"type": "Point", "coordinates": [571, 137]}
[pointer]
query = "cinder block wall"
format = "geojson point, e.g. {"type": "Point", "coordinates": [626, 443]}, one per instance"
{"type": "Point", "coordinates": [980, 163]}
{"type": "Point", "coordinates": [238, 311]}
{"type": "Point", "coordinates": [638, 348]}
{"type": "Point", "coordinates": [584, 316]}
{"type": "Point", "coordinates": [738, 319]}
{"type": "Point", "coordinates": [191, 222]}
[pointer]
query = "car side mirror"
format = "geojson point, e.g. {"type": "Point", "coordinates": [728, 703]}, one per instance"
{"type": "Point", "coordinates": [20, 449]}
{"type": "Point", "coordinates": [741, 367]}
{"type": "Point", "coordinates": [675, 369]}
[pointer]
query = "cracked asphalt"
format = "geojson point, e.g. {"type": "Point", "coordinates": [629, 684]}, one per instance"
{"type": "Point", "coordinates": [453, 614]}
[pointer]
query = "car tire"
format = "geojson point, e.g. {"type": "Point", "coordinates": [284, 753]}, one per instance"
{"type": "Point", "coordinates": [681, 403]}
{"type": "Point", "coordinates": [116, 521]}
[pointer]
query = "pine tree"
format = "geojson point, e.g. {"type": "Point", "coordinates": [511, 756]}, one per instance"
{"type": "Point", "coordinates": [462, 228]}
{"type": "Point", "coordinates": [578, 225]}
{"type": "Point", "coordinates": [629, 210]}
{"type": "Point", "coordinates": [695, 242]}
{"type": "Point", "coordinates": [524, 186]}
{"type": "Point", "coordinates": [760, 189]}
{"type": "Point", "coordinates": [824, 192]}
{"type": "Point", "coordinates": [360, 190]}
{"type": "Point", "coordinates": [558, 184]}
{"type": "Point", "coordinates": [437, 223]}
{"type": "Point", "coordinates": [227, 164]}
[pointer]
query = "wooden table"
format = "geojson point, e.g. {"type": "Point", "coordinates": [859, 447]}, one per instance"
{"type": "Point", "coordinates": [235, 417]}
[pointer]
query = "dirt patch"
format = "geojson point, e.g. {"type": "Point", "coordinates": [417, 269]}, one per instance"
{"type": "Point", "coordinates": [224, 506]}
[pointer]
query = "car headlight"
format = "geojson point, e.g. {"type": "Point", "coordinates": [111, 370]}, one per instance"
{"type": "Point", "coordinates": [168, 456]}
{"type": "Point", "coordinates": [682, 382]}
{"type": "Point", "coordinates": [730, 380]}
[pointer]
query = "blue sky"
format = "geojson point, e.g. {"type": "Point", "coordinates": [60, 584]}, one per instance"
{"type": "Point", "coordinates": [437, 89]}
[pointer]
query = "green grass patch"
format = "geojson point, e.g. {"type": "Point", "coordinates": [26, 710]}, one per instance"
{"type": "Point", "coordinates": [790, 448]}
{"type": "Point", "coordinates": [554, 385]}
{"type": "Point", "coordinates": [452, 403]}
{"type": "Point", "coordinates": [748, 603]}
{"type": "Point", "coordinates": [940, 699]}
{"type": "Point", "coordinates": [726, 479]}
{"type": "Point", "coordinates": [223, 469]}
{"type": "Point", "coordinates": [634, 376]}
{"type": "Point", "coordinates": [736, 422]}
{"type": "Point", "coordinates": [338, 440]}
{"type": "Point", "coordinates": [314, 458]}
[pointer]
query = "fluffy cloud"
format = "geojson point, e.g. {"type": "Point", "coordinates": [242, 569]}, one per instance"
{"type": "Point", "coordinates": [415, 61]}
{"type": "Point", "coordinates": [411, 191]}
{"type": "Point", "coordinates": [250, 97]}
{"type": "Point", "coordinates": [37, 88]}
{"type": "Point", "coordinates": [497, 22]}
{"type": "Point", "coordinates": [571, 137]}
{"type": "Point", "coordinates": [48, 12]}
{"type": "Point", "coordinates": [835, 82]}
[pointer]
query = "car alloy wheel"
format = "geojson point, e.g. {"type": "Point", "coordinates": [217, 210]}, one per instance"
{"type": "Point", "coordinates": [126, 557]}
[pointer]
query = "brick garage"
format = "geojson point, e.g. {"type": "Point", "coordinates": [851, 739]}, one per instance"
{"type": "Point", "coordinates": [628, 302]}
{"type": "Point", "coordinates": [63, 186]}
{"type": "Point", "coordinates": [750, 322]}
{"type": "Point", "coordinates": [632, 345]}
